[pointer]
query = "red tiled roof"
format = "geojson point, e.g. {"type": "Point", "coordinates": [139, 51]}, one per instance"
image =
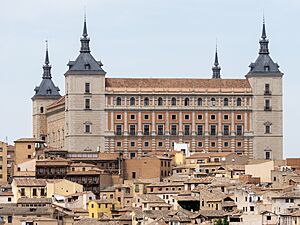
{"type": "Point", "coordinates": [175, 83]}
{"type": "Point", "coordinates": [59, 102]}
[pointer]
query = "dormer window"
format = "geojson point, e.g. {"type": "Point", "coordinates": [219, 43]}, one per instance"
{"type": "Point", "coordinates": [267, 68]}
{"type": "Point", "coordinates": [49, 91]}
{"type": "Point", "coordinates": [87, 66]}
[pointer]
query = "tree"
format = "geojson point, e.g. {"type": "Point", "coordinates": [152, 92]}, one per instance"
{"type": "Point", "coordinates": [222, 222]}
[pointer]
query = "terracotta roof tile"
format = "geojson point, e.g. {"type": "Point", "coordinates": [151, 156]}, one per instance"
{"type": "Point", "coordinates": [175, 83]}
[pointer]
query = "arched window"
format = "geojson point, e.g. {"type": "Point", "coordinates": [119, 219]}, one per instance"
{"type": "Point", "coordinates": [173, 101]}
{"type": "Point", "coordinates": [199, 101]}
{"type": "Point", "coordinates": [225, 101]}
{"type": "Point", "coordinates": [132, 101]}
{"type": "Point", "coordinates": [146, 101]}
{"type": "Point", "coordinates": [119, 101]}
{"type": "Point", "coordinates": [160, 101]}
{"type": "Point", "coordinates": [42, 109]}
{"type": "Point", "coordinates": [186, 102]}
{"type": "Point", "coordinates": [239, 102]}
{"type": "Point", "coordinates": [213, 101]}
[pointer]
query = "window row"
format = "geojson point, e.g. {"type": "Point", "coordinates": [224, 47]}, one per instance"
{"type": "Point", "coordinates": [200, 144]}
{"type": "Point", "coordinates": [186, 102]}
{"type": "Point", "coordinates": [185, 117]}
{"type": "Point", "coordinates": [174, 129]}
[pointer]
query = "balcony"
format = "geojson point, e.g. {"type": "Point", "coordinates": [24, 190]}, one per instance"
{"type": "Point", "coordinates": [268, 108]}
{"type": "Point", "coordinates": [267, 92]}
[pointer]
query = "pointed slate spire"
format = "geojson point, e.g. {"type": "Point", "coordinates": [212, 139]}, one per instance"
{"type": "Point", "coordinates": [264, 42]}
{"type": "Point", "coordinates": [85, 40]}
{"type": "Point", "coordinates": [216, 68]}
{"type": "Point", "coordinates": [47, 66]}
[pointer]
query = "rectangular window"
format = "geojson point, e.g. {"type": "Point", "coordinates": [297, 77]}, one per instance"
{"type": "Point", "coordinates": [239, 130]}
{"type": "Point", "coordinates": [173, 117]}
{"type": "Point", "coordinates": [34, 192]}
{"type": "Point", "coordinates": [146, 129]}
{"type": "Point", "coordinates": [119, 117]}
{"type": "Point", "coordinates": [87, 103]}
{"type": "Point", "coordinates": [213, 117]}
{"type": "Point", "coordinates": [200, 117]}
{"type": "Point", "coordinates": [226, 117]}
{"type": "Point", "coordinates": [132, 117]}
{"type": "Point", "coordinates": [160, 116]}
{"type": "Point", "coordinates": [187, 117]}
{"type": "Point", "coordinates": [132, 144]}
{"type": "Point", "coordinates": [132, 129]}
{"type": "Point", "coordinates": [239, 144]}
{"type": "Point", "coordinates": [146, 144]}
{"type": "Point", "coordinates": [213, 144]}
{"type": "Point", "coordinates": [267, 89]}
{"type": "Point", "coordinates": [239, 117]}
{"type": "Point", "coordinates": [119, 144]}
{"type": "Point", "coordinates": [200, 144]}
{"type": "Point", "coordinates": [226, 144]}
{"type": "Point", "coordinates": [146, 117]}
{"type": "Point", "coordinates": [213, 129]}
{"type": "Point", "coordinates": [160, 129]}
{"type": "Point", "coordinates": [186, 129]}
{"type": "Point", "coordinates": [267, 105]}
{"type": "Point", "coordinates": [200, 129]}
{"type": "Point", "coordinates": [160, 144]}
{"type": "Point", "coordinates": [22, 191]}
{"type": "Point", "coordinates": [133, 175]}
{"type": "Point", "coordinates": [226, 130]}
{"type": "Point", "coordinates": [87, 128]}
{"type": "Point", "coordinates": [118, 129]}
{"type": "Point", "coordinates": [9, 219]}
{"type": "Point", "coordinates": [87, 88]}
{"type": "Point", "coordinates": [173, 129]}
{"type": "Point", "coordinates": [268, 155]}
{"type": "Point", "coordinates": [268, 129]}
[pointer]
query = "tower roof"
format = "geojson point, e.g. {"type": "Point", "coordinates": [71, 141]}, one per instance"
{"type": "Point", "coordinates": [264, 63]}
{"type": "Point", "coordinates": [216, 68]}
{"type": "Point", "coordinates": [47, 89]}
{"type": "Point", "coordinates": [85, 63]}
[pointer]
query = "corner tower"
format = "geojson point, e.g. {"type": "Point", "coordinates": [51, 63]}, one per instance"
{"type": "Point", "coordinates": [265, 79]}
{"type": "Point", "coordinates": [45, 94]}
{"type": "Point", "coordinates": [85, 101]}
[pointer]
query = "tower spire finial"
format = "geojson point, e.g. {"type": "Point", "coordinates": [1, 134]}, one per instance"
{"type": "Point", "coordinates": [264, 42]}
{"type": "Point", "coordinates": [216, 68]}
{"type": "Point", "coordinates": [47, 66]}
{"type": "Point", "coordinates": [85, 39]}
{"type": "Point", "coordinates": [47, 55]}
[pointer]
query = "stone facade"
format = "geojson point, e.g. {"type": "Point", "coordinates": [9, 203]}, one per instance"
{"type": "Point", "coordinates": [139, 116]}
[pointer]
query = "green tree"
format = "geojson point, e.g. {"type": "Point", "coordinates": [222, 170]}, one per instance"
{"type": "Point", "coordinates": [222, 222]}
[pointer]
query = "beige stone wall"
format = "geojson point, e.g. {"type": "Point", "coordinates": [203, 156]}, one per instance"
{"type": "Point", "coordinates": [76, 116]}
{"type": "Point", "coordinates": [3, 162]}
{"type": "Point", "coordinates": [56, 127]}
{"type": "Point", "coordinates": [39, 118]}
{"type": "Point", "coordinates": [263, 142]}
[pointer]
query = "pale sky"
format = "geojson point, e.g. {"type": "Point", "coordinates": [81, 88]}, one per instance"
{"type": "Point", "coordinates": [144, 38]}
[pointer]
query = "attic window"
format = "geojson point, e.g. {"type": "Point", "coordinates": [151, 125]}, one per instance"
{"type": "Point", "coordinates": [267, 68]}
{"type": "Point", "coordinates": [49, 91]}
{"type": "Point", "coordinates": [87, 66]}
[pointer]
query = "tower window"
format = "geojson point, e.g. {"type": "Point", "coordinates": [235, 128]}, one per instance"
{"type": "Point", "coordinates": [268, 105]}
{"type": "Point", "coordinates": [267, 89]}
{"type": "Point", "coordinates": [118, 129]}
{"type": "Point", "coordinates": [87, 128]}
{"type": "Point", "coordinates": [267, 155]}
{"type": "Point", "coordinates": [49, 91]}
{"type": "Point", "coordinates": [268, 129]}
{"type": "Point", "coordinates": [132, 129]}
{"type": "Point", "coordinates": [267, 68]}
{"type": "Point", "coordinates": [173, 129]}
{"type": "Point", "coordinates": [87, 103]}
{"type": "Point", "coordinates": [200, 129]}
{"type": "Point", "coordinates": [87, 88]}
{"type": "Point", "coordinates": [42, 109]}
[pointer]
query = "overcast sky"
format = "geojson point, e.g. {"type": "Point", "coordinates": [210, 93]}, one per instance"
{"type": "Point", "coordinates": [144, 38]}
